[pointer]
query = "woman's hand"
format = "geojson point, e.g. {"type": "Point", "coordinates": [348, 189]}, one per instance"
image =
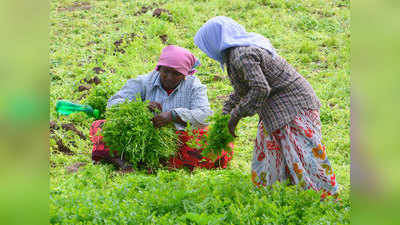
{"type": "Point", "coordinates": [232, 125]}
{"type": "Point", "coordinates": [162, 119]}
{"type": "Point", "coordinates": [155, 105]}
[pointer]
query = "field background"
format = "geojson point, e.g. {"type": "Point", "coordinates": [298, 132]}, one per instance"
{"type": "Point", "coordinates": [118, 40]}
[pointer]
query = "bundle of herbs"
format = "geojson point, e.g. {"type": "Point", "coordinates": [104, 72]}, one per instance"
{"type": "Point", "coordinates": [129, 131]}
{"type": "Point", "coordinates": [217, 138]}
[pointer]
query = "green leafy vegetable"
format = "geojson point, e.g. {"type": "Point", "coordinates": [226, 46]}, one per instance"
{"type": "Point", "coordinates": [217, 138]}
{"type": "Point", "coordinates": [130, 132]}
{"type": "Point", "coordinates": [98, 98]}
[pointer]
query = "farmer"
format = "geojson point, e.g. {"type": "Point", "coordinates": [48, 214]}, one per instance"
{"type": "Point", "coordinates": [288, 142]}
{"type": "Point", "coordinates": [180, 97]}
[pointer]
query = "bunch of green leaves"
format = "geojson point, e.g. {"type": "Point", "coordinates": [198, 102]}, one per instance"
{"type": "Point", "coordinates": [217, 138]}
{"type": "Point", "coordinates": [98, 98]}
{"type": "Point", "coordinates": [130, 131]}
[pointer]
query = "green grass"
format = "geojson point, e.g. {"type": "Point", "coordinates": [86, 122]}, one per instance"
{"type": "Point", "coordinates": [313, 35]}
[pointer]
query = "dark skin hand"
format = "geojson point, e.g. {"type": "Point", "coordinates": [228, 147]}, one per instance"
{"type": "Point", "coordinates": [165, 118]}
{"type": "Point", "coordinates": [180, 121]}
{"type": "Point", "coordinates": [162, 119]}
{"type": "Point", "coordinates": [153, 106]}
{"type": "Point", "coordinates": [233, 122]}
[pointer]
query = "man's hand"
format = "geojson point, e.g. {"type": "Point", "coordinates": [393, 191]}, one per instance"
{"type": "Point", "coordinates": [232, 126]}
{"type": "Point", "coordinates": [155, 105]}
{"type": "Point", "coordinates": [162, 119]}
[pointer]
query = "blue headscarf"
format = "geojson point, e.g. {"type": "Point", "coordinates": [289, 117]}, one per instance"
{"type": "Point", "coordinates": [220, 33]}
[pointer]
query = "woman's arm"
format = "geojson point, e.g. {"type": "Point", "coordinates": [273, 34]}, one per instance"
{"type": "Point", "coordinates": [232, 101]}
{"type": "Point", "coordinates": [199, 108]}
{"type": "Point", "coordinates": [248, 64]}
{"type": "Point", "coordinates": [131, 89]}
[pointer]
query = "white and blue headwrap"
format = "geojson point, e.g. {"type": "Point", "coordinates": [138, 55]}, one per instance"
{"type": "Point", "coordinates": [220, 33]}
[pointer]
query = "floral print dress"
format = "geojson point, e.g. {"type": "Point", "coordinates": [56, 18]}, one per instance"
{"type": "Point", "coordinates": [294, 152]}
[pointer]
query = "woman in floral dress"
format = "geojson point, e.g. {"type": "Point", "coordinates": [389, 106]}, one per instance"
{"type": "Point", "coordinates": [288, 143]}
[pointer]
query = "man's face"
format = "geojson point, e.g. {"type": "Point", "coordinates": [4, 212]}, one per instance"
{"type": "Point", "coordinates": [170, 78]}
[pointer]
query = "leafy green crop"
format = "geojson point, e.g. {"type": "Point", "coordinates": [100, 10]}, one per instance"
{"type": "Point", "coordinates": [98, 195]}
{"type": "Point", "coordinates": [130, 132]}
{"type": "Point", "coordinates": [98, 98]}
{"type": "Point", "coordinates": [217, 138]}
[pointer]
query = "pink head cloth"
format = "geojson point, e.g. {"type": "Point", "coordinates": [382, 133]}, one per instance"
{"type": "Point", "coordinates": [181, 59]}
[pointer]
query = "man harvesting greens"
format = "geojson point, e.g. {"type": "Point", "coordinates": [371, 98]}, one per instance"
{"type": "Point", "coordinates": [176, 97]}
{"type": "Point", "coordinates": [288, 143]}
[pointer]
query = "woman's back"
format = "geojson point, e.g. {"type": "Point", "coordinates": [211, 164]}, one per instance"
{"type": "Point", "coordinates": [290, 92]}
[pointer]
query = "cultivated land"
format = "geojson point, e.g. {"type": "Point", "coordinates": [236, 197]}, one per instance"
{"type": "Point", "coordinates": [118, 40]}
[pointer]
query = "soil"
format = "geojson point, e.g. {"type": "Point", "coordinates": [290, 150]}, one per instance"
{"type": "Point", "coordinates": [71, 127]}
{"type": "Point", "coordinates": [164, 38]}
{"type": "Point", "coordinates": [96, 80]}
{"type": "Point", "coordinates": [75, 167]}
{"type": "Point", "coordinates": [127, 38]}
{"type": "Point", "coordinates": [157, 13]}
{"type": "Point", "coordinates": [64, 149]}
{"type": "Point", "coordinates": [76, 6]}
{"type": "Point", "coordinates": [83, 88]}
{"type": "Point", "coordinates": [143, 10]}
{"type": "Point", "coordinates": [83, 96]}
{"type": "Point", "coordinates": [98, 70]}
{"type": "Point", "coordinates": [53, 126]}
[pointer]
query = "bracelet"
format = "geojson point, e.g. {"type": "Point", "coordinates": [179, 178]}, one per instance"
{"type": "Point", "coordinates": [173, 114]}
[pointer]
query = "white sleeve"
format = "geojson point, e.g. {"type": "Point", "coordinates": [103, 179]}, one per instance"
{"type": "Point", "coordinates": [130, 90]}
{"type": "Point", "coordinates": [199, 107]}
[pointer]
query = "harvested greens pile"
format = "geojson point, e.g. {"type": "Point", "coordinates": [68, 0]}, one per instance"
{"type": "Point", "coordinates": [130, 131]}
{"type": "Point", "coordinates": [216, 140]}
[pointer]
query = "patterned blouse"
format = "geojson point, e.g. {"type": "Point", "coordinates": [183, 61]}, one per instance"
{"type": "Point", "coordinates": [267, 85]}
{"type": "Point", "coordinates": [189, 100]}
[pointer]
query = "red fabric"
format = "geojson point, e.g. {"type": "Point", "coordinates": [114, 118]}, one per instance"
{"type": "Point", "coordinates": [169, 91]}
{"type": "Point", "coordinates": [191, 158]}
{"type": "Point", "coordinates": [100, 151]}
{"type": "Point", "coordinates": [185, 157]}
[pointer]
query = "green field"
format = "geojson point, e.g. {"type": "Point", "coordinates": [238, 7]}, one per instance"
{"type": "Point", "coordinates": [119, 40]}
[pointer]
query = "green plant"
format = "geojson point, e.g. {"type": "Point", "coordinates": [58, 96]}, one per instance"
{"type": "Point", "coordinates": [217, 138]}
{"type": "Point", "coordinates": [129, 131]}
{"type": "Point", "coordinates": [98, 98]}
